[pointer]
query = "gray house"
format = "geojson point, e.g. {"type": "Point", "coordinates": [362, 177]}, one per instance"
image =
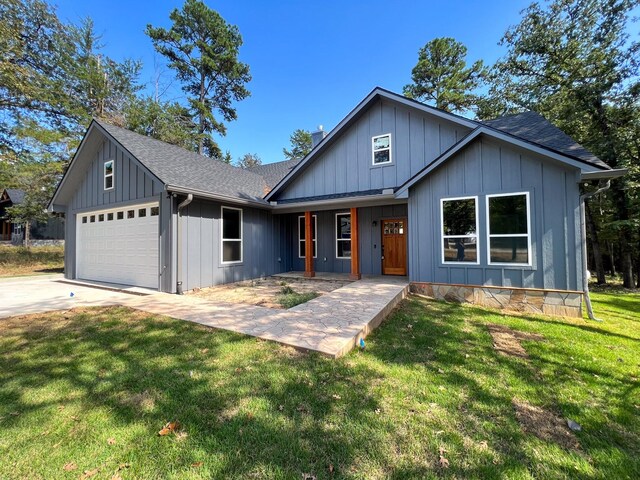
{"type": "Point", "coordinates": [484, 212]}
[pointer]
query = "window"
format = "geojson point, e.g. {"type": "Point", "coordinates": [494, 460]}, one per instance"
{"type": "Point", "coordinates": [302, 236]}
{"type": "Point", "coordinates": [84, 219]}
{"type": "Point", "coordinates": [101, 217]}
{"type": "Point", "coordinates": [110, 216]}
{"type": "Point", "coordinates": [120, 215]}
{"type": "Point", "coordinates": [92, 218]}
{"type": "Point", "coordinates": [381, 149]}
{"type": "Point", "coordinates": [343, 235]}
{"type": "Point", "coordinates": [131, 213]}
{"type": "Point", "coordinates": [142, 212]}
{"type": "Point", "coordinates": [231, 235]}
{"type": "Point", "coordinates": [508, 228]}
{"type": "Point", "coordinates": [155, 211]}
{"type": "Point", "coordinates": [108, 175]}
{"type": "Point", "coordinates": [459, 218]}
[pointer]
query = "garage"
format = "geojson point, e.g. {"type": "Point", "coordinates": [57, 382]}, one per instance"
{"type": "Point", "coordinates": [119, 245]}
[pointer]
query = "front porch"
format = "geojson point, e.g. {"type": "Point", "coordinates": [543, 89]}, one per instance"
{"type": "Point", "coordinates": [345, 243]}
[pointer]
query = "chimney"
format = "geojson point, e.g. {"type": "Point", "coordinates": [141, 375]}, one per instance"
{"type": "Point", "coordinates": [317, 137]}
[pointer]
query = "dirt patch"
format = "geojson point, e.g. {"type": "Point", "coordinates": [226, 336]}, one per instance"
{"type": "Point", "coordinates": [507, 341]}
{"type": "Point", "coordinates": [544, 424]}
{"type": "Point", "coordinates": [265, 291]}
{"type": "Point", "coordinates": [144, 401]}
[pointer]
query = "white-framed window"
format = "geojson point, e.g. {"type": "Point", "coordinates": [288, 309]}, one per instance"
{"type": "Point", "coordinates": [509, 229]}
{"type": "Point", "coordinates": [459, 217]}
{"type": "Point", "coordinates": [343, 235]}
{"type": "Point", "coordinates": [302, 236]}
{"type": "Point", "coordinates": [231, 235]}
{"type": "Point", "coordinates": [381, 149]}
{"type": "Point", "coordinates": [108, 174]}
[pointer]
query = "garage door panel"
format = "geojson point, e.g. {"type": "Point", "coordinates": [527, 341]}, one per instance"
{"type": "Point", "coordinates": [120, 250]}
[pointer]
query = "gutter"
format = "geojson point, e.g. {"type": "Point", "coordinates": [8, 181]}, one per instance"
{"type": "Point", "coordinates": [603, 174]}
{"type": "Point", "coordinates": [583, 231]}
{"type": "Point", "coordinates": [215, 196]}
{"type": "Point", "coordinates": [336, 202]}
{"type": "Point", "coordinates": [183, 204]}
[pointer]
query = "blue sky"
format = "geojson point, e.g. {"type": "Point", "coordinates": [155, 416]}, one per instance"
{"type": "Point", "coordinates": [311, 62]}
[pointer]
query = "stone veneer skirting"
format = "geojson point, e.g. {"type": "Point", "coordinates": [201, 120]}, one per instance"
{"type": "Point", "coordinates": [548, 302]}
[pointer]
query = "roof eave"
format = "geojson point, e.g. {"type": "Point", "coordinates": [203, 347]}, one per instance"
{"type": "Point", "coordinates": [217, 196]}
{"type": "Point", "coordinates": [603, 174]}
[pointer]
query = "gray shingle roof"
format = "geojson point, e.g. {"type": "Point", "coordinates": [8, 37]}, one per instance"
{"type": "Point", "coordinates": [16, 195]}
{"type": "Point", "coordinates": [533, 127]}
{"type": "Point", "coordinates": [274, 172]}
{"type": "Point", "coordinates": [178, 167]}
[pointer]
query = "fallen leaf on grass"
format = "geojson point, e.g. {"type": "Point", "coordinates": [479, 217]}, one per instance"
{"type": "Point", "coordinates": [197, 464]}
{"type": "Point", "coordinates": [204, 350]}
{"type": "Point", "coordinates": [88, 474]}
{"type": "Point", "coordinates": [69, 466]}
{"type": "Point", "coordinates": [331, 469]}
{"type": "Point", "coordinates": [308, 476]}
{"type": "Point", "coordinates": [444, 463]}
{"type": "Point", "coordinates": [336, 397]}
{"type": "Point", "coordinates": [281, 407]}
{"type": "Point", "coordinates": [14, 414]}
{"type": "Point", "coordinates": [377, 411]}
{"type": "Point", "coordinates": [111, 441]}
{"type": "Point", "coordinates": [169, 428]}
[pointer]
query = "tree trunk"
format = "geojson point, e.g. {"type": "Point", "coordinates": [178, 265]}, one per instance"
{"type": "Point", "coordinates": [613, 260]}
{"type": "Point", "coordinates": [595, 245]}
{"type": "Point", "coordinates": [27, 234]}
{"type": "Point", "coordinates": [201, 119]}
{"type": "Point", "coordinates": [638, 268]}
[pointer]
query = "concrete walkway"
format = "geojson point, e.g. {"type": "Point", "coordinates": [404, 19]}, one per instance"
{"type": "Point", "coordinates": [331, 324]}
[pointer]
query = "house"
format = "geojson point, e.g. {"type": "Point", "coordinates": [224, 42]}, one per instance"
{"type": "Point", "coordinates": [485, 212]}
{"type": "Point", "coordinates": [52, 229]}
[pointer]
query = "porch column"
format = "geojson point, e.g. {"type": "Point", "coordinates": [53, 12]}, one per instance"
{"type": "Point", "coordinates": [308, 246]}
{"type": "Point", "coordinates": [355, 246]}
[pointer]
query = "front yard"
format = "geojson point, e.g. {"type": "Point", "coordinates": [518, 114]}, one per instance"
{"type": "Point", "coordinates": [441, 391]}
{"type": "Point", "coordinates": [17, 261]}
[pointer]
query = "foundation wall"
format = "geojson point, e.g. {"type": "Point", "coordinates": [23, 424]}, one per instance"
{"type": "Point", "coordinates": [546, 302]}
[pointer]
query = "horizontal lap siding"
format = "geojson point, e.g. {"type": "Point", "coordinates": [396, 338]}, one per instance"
{"type": "Point", "coordinates": [200, 246]}
{"type": "Point", "coordinates": [370, 239]}
{"type": "Point", "coordinates": [487, 167]}
{"type": "Point", "coordinates": [416, 139]}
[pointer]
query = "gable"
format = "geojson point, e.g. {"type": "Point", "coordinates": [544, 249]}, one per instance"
{"type": "Point", "coordinates": [346, 166]}
{"type": "Point", "coordinates": [82, 186]}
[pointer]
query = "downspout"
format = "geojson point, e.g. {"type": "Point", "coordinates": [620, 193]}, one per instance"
{"type": "Point", "coordinates": [583, 230]}
{"type": "Point", "coordinates": [183, 204]}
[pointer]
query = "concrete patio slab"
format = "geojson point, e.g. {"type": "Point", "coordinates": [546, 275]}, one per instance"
{"type": "Point", "coordinates": [331, 324]}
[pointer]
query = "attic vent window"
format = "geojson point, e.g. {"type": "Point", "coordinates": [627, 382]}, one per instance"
{"type": "Point", "coordinates": [381, 149]}
{"type": "Point", "coordinates": [108, 175]}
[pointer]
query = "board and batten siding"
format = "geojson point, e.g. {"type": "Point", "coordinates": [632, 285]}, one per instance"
{"type": "Point", "coordinates": [488, 167]}
{"type": "Point", "coordinates": [132, 184]}
{"type": "Point", "coordinates": [370, 239]}
{"type": "Point", "coordinates": [417, 138]}
{"type": "Point", "coordinates": [200, 245]}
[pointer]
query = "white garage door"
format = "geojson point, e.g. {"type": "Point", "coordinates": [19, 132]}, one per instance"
{"type": "Point", "coordinates": [119, 246]}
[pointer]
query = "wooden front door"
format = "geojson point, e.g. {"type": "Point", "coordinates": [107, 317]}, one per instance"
{"type": "Point", "coordinates": [394, 246]}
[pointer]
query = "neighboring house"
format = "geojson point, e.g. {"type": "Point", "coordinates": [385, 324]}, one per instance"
{"type": "Point", "coordinates": [486, 212]}
{"type": "Point", "coordinates": [52, 229]}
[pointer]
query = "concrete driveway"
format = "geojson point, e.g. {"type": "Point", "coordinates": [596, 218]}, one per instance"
{"type": "Point", "coordinates": [25, 295]}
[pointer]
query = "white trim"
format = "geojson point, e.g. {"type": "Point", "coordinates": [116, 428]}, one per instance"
{"type": "Point", "coordinates": [506, 235]}
{"type": "Point", "coordinates": [476, 235]}
{"type": "Point", "coordinates": [373, 150]}
{"type": "Point", "coordinates": [222, 239]}
{"type": "Point", "coordinates": [335, 234]}
{"type": "Point", "coordinates": [314, 239]}
{"type": "Point", "coordinates": [111, 175]}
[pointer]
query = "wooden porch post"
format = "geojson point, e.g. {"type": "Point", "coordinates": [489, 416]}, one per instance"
{"type": "Point", "coordinates": [308, 246]}
{"type": "Point", "coordinates": [355, 246]}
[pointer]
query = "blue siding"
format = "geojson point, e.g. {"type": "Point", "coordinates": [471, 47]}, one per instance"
{"type": "Point", "coordinates": [417, 138]}
{"type": "Point", "coordinates": [370, 239]}
{"type": "Point", "coordinates": [488, 167]}
{"type": "Point", "coordinates": [200, 245]}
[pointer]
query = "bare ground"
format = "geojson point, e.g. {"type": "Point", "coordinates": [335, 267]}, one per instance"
{"type": "Point", "coordinates": [506, 341]}
{"type": "Point", "coordinates": [264, 291]}
{"type": "Point", "coordinates": [544, 424]}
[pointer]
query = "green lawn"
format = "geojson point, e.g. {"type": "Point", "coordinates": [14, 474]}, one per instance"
{"type": "Point", "coordinates": [429, 397]}
{"type": "Point", "coordinates": [16, 261]}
